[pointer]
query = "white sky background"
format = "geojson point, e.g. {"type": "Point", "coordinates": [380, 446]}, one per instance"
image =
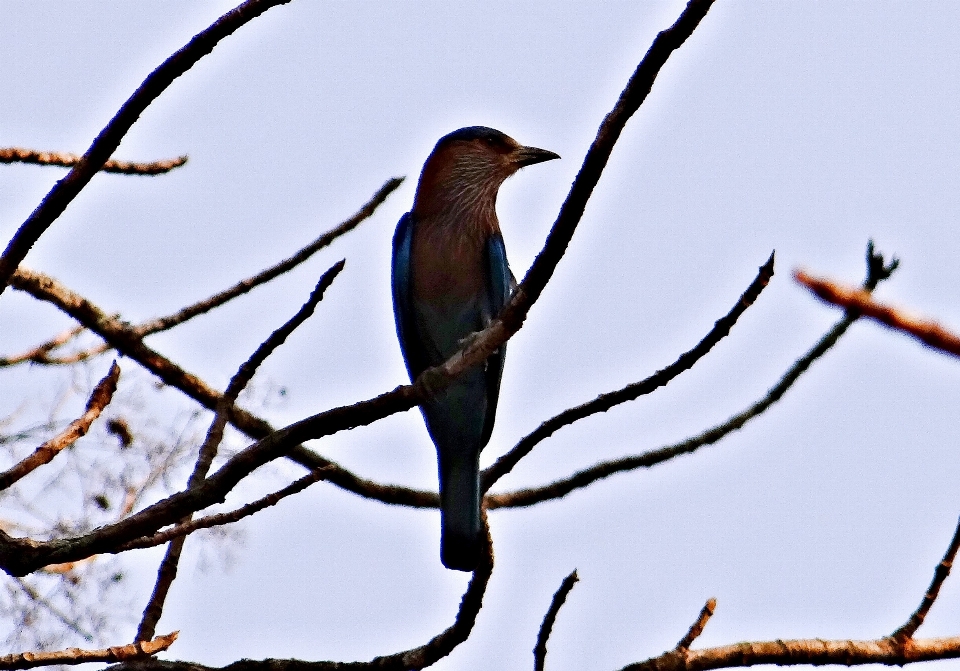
{"type": "Point", "coordinates": [806, 127]}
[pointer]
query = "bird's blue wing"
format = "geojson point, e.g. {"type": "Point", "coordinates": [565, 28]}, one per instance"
{"type": "Point", "coordinates": [403, 312]}
{"type": "Point", "coordinates": [500, 286]}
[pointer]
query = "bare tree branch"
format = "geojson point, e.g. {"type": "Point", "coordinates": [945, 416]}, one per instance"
{"type": "Point", "coordinates": [18, 555]}
{"type": "Point", "coordinates": [605, 402]}
{"type": "Point", "coordinates": [65, 190]}
{"type": "Point", "coordinates": [40, 353]}
{"type": "Point", "coordinates": [187, 528]}
{"type": "Point", "coordinates": [120, 653]}
{"type": "Point", "coordinates": [878, 270]}
{"type": "Point", "coordinates": [697, 627]}
{"type": "Point", "coordinates": [928, 332]}
{"type": "Point", "coordinates": [420, 657]}
{"type": "Point", "coordinates": [65, 160]}
{"type": "Point", "coordinates": [243, 286]}
{"type": "Point", "coordinates": [101, 396]}
{"type": "Point", "coordinates": [804, 652]}
{"type": "Point", "coordinates": [909, 628]}
{"type": "Point", "coordinates": [559, 597]}
{"type": "Point", "coordinates": [167, 572]}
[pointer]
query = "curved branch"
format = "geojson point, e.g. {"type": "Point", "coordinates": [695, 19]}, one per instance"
{"type": "Point", "coordinates": [243, 286]}
{"type": "Point", "coordinates": [605, 402]}
{"type": "Point", "coordinates": [909, 628]}
{"type": "Point", "coordinates": [556, 603]}
{"type": "Point", "coordinates": [65, 160]}
{"type": "Point", "coordinates": [420, 657]}
{"type": "Point", "coordinates": [65, 190]}
{"type": "Point", "coordinates": [99, 399]}
{"type": "Point", "coordinates": [877, 271]}
{"type": "Point", "coordinates": [167, 572]}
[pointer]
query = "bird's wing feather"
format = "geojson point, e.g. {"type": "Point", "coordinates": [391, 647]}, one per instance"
{"type": "Point", "coordinates": [403, 312]}
{"type": "Point", "coordinates": [500, 285]}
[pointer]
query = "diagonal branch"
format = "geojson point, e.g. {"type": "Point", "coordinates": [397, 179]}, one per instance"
{"type": "Point", "coordinates": [101, 396]}
{"type": "Point", "coordinates": [697, 627]}
{"type": "Point", "coordinates": [559, 597]}
{"type": "Point", "coordinates": [420, 657]}
{"type": "Point", "coordinates": [41, 353]}
{"type": "Point", "coordinates": [878, 270]}
{"type": "Point", "coordinates": [927, 331]}
{"type": "Point", "coordinates": [605, 402]}
{"type": "Point", "coordinates": [909, 628]}
{"type": "Point", "coordinates": [167, 572]}
{"type": "Point", "coordinates": [243, 286]}
{"type": "Point", "coordinates": [120, 653]}
{"type": "Point", "coordinates": [187, 528]}
{"type": "Point", "coordinates": [65, 190]}
{"type": "Point", "coordinates": [65, 160]}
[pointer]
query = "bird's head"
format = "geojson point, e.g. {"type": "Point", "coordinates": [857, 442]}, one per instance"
{"type": "Point", "coordinates": [467, 167]}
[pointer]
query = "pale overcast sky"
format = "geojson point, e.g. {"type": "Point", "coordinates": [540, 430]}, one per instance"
{"type": "Point", "coordinates": [804, 127]}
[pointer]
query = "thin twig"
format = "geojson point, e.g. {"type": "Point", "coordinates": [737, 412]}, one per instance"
{"type": "Point", "coordinates": [101, 396]}
{"type": "Point", "coordinates": [65, 160]}
{"type": "Point", "coordinates": [417, 658]}
{"type": "Point", "coordinates": [927, 331]}
{"type": "Point", "coordinates": [120, 653]}
{"type": "Point", "coordinates": [220, 519]}
{"type": "Point", "coordinates": [65, 619]}
{"type": "Point", "coordinates": [65, 190]}
{"type": "Point", "coordinates": [243, 286]}
{"type": "Point", "coordinates": [559, 597]}
{"type": "Point", "coordinates": [877, 271]}
{"type": "Point", "coordinates": [909, 628]}
{"type": "Point", "coordinates": [605, 402]}
{"type": "Point", "coordinates": [697, 627]}
{"type": "Point", "coordinates": [167, 572]}
{"type": "Point", "coordinates": [40, 353]}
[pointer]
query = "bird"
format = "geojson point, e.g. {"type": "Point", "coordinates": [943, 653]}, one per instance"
{"type": "Point", "coordinates": [450, 279]}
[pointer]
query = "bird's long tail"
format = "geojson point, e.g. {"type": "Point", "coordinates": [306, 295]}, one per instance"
{"type": "Point", "coordinates": [460, 538]}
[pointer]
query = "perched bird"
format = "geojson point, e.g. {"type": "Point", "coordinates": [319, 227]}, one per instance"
{"type": "Point", "coordinates": [450, 279]}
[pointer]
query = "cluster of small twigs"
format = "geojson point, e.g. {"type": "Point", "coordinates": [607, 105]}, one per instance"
{"type": "Point", "coordinates": [171, 520]}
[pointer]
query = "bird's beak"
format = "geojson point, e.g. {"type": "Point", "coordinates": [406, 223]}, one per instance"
{"type": "Point", "coordinates": [525, 156]}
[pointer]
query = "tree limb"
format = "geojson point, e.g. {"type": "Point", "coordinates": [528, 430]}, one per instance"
{"type": "Point", "coordinates": [120, 653]}
{"type": "Point", "coordinates": [65, 190]}
{"type": "Point", "coordinates": [101, 396]}
{"type": "Point", "coordinates": [556, 603]}
{"type": "Point", "coordinates": [65, 160]}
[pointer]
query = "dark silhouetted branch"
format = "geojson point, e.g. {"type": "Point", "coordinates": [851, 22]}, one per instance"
{"type": "Point", "coordinates": [65, 160]}
{"type": "Point", "coordinates": [220, 519]}
{"type": "Point", "coordinates": [167, 572]}
{"type": "Point", "coordinates": [65, 190]}
{"type": "Point", "coordinates": [101, 396]}
{"type": "Point", "coordinates": [242, 287]}
{"type": "Point", "coordinates": [877, 271]}
{"type": "Point", "coordinates": [928, 332]}
{"type": "Point", "coordinates": [41, 353]}
{"type": "Point", "coordinates": [420, 657]}
{"type": "Point", "coordinates": [909, 628]}
{"type": "Point", "coordinates": [604, 402]}
{"type": "Point", "coordinates": [697, 627]}
{"type": "Point", "coordinates": [559, 597]}
{"type": "Point", "coordinates": [120, 653]}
